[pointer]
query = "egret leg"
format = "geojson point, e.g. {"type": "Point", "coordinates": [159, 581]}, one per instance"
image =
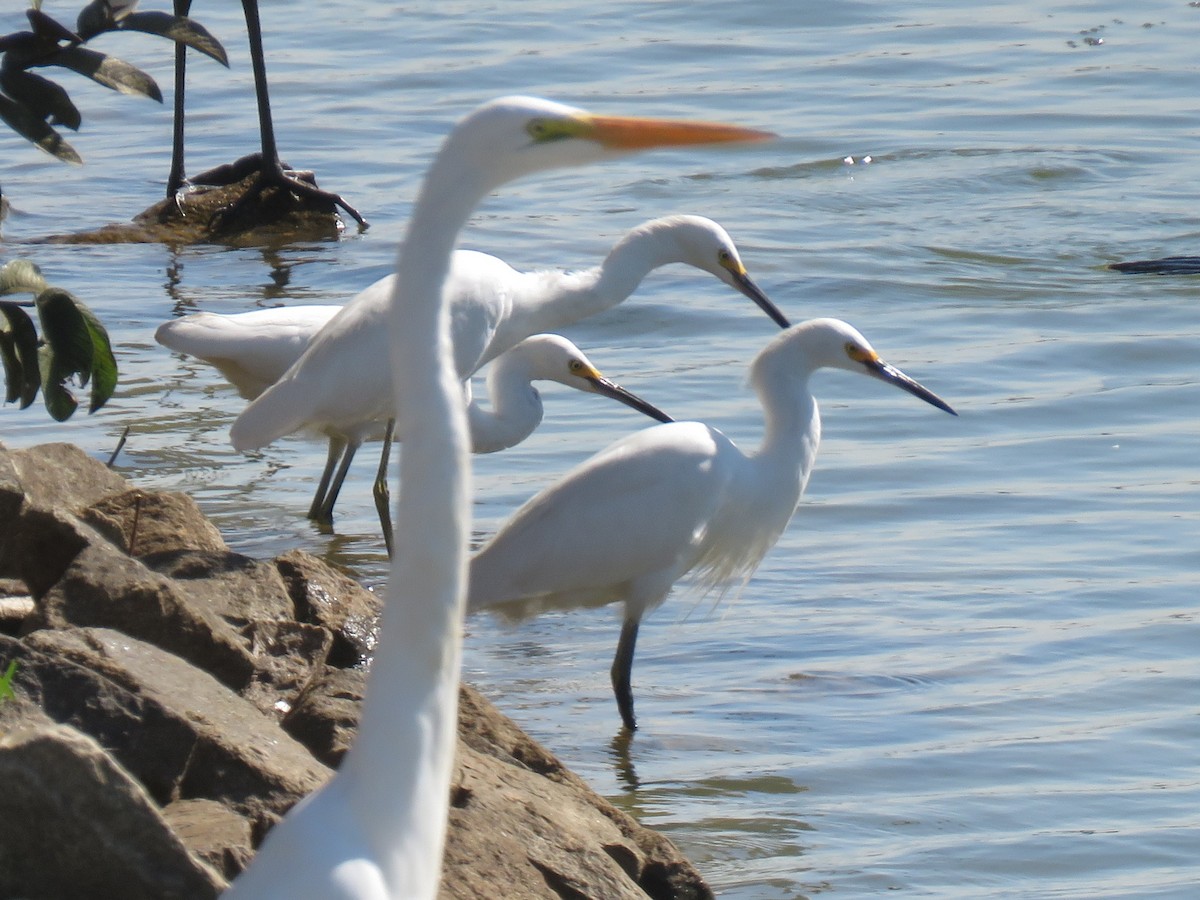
{"type": "Point", "coordinates": [336, 446]}
{"type": "Point", "coordinates": [176, 178]}
{"type": "Point", "coordinates": [383, 497]}
{"type": "Point", "coordinates": [325, 514]}
{"type": "Point", "coordinates": [622, 672]}
{"type": "Point", "coordinates": [271, 167]}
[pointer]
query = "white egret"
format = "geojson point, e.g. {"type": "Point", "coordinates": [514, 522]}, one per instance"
{"type": "Point", "coordinates": [376, 829]}
{"type": "Point", "coordinates": [253, 349]}
{"type": "Point", "coordinates": [340, 386]}
{"type": "Point", "coordinates": [628, 523]}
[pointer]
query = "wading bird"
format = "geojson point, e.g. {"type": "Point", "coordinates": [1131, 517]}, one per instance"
{"type": "Point", "coordinates": [253, 349]}
{"type": "Point", "coordinates": [628, 523]}
{"type": "Point", "coordinates": [340, 386]}
{"type": "Point", "coordinates": [375, 831]}
{"type": "Point", "coordinates": [272, 171]}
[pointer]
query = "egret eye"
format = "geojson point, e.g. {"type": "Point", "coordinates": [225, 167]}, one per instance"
{"type": "Point", "coordinates": [576, 366]}
{"type": "Point", "coordinates": [859, 354]}
{"type": "Point", "coordinates": [543, 130]}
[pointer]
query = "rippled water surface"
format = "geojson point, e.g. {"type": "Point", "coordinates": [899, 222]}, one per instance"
{"type": "Point", "coordinates": [971, 665]}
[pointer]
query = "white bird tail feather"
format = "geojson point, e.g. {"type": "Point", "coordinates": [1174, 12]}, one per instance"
{"type": "Point", "coordinates": [278, 411]}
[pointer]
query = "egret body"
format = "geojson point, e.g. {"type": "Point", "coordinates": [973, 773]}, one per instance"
{"type": "Point", "coordinates": [339, 385]}
{"type": "Point", "coordinates": [253, 349]}
{"type": "Point", "coordinates": [628, 523]}
{"type": "Point", "coordinates": [376, 829]}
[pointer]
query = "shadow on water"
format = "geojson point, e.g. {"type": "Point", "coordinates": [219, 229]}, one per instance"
{"type": "Point", "coordinates": [618, 751]}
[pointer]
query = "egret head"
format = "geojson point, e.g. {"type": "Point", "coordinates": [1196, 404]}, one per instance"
{"type": "Point", "coordinates": [515, 136]}
{"type": "Point", "coordinates": [551, 357]}
{"type": "Point", "coordinates": [831, 343]}
{"type": "Point", "coordinates": [706, 245]}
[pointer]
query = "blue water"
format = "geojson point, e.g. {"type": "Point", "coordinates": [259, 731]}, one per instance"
{"type": "Point", "coordinates": [970, 667]}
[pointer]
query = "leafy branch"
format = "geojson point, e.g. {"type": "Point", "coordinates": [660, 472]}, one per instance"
{"type": "Point", "coordinates": [74, 345]}
{"type": "Point", "coordinates": [32, 105]}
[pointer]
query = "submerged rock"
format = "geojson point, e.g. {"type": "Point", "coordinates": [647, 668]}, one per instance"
{"type": "Point", "coordinates": [173, 699]}
{"type": "Point", "coordinates": [195, 216]}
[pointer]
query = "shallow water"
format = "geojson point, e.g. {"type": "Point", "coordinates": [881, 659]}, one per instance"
{"type": "Point", "coordinates": [970, 666]}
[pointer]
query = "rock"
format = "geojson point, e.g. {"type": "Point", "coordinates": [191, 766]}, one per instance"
{"type": "Point", "coordinates": [237, 588]}
{"type": "Point", "coordinates": [509, 785]}
{"type": "Point", "coordinates": [76, 825]}
{"type": "Point", "coordinates": [61, 476]}
{"type": "Point", "coordinates": [104, 588]}
{"type": "Point", "coordinates": [325, 718]}
{"type": "Point", "coordinates": [202, 693]}
{"type": "Point", "coordinates": [326, 597]}
{"type": "Point", "coordinates": [213, 832]}
{"type": "Point", "coordinates": [42, 490]}
{"type": "Point", "coordinates": [44, 542]}
{"type": "Point", "coordinates": [143, 523]}
{"type": "Point", "coordinates": [209, 743]}
{"type": "Point", "coordinates": [16, 605]}
{"type": "Point", "coordinates": [275, 218]}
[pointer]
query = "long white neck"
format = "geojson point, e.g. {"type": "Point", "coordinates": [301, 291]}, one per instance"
{"type": "Point", "coordinates": [579, 295]}
{"type": "Point", "coordinates": [792, 419]}
{"type": "Point", "coordinates": [399, 767]}
{"type": "Point", "coordinates": [516, 407]}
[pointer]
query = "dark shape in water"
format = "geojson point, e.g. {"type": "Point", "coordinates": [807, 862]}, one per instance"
{"type": "Point", "coordinates": [1168, 265]}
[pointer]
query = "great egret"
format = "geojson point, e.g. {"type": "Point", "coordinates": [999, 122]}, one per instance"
{"type": "Point", "coordinates": [272, 171]}
{"type": "Point", "coordinates": [340, 386]}
{"type": "Point", "coordinates": [376, 829]}
{"type": "Point", "coordinates": [253, 349]}
{"type": "Point", "coordinates": [631, 521]}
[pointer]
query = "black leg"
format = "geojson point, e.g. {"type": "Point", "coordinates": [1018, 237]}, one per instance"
{"type": "Point", "coordinates": [336, 446]}
{"type": "Point", "coordinates": [622, 672]}
{"type": "Point", "coordinates": [383, 497]}
{"type": "Point", "coordinates": [325, 515]}
{"type": "Point", "coordinates": [176, 178]}
{"type": "Point", "coordinates": [271, 170]}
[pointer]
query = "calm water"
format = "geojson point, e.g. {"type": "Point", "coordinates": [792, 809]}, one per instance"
{"type": "Point", "coordinates": [970, 667]}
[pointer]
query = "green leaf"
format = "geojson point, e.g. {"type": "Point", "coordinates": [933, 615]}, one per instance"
{"type": "Point", "coordinates": [42, 97]}
{"type": "Point", "coordinates": [179, 29]}
{"type": "Point", "coordinates": [21, 275]}
{"type": "Point", "coordinates": [106, 70]}
{"type": "Point", "coordinates": [35, 130]}
{"type": "Point", "coordinates": [22, 374]}
{"type": "Point", "coordinates": [60, 402]}
{"type": "Point", "coordinates": [6, 680]}
{"type": "Point", "coordinates": [104, 364]}
{"type": "Point", "coordinates": [66, 335]}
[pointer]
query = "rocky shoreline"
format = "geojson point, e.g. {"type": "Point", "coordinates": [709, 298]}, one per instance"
{"type": "Point", "coordinates": [172, 699]}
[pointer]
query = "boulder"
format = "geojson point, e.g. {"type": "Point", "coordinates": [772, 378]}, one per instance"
{"type": "Point", "coordinates": [77, 825]}
{"type": "Point", "coordinates": [170, 705]}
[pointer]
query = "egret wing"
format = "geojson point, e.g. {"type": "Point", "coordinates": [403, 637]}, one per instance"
{"type": "Point", "coordinates": [637, 508]}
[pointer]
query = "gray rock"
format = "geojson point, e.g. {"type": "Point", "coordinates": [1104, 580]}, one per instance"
{"type": "Point", "coordinates": [325, 597]}
{"type": "Point", "coordinates": [205, 691]}
{"type": "Point", "coordinates": [104, 588]}
{"type": "Point", "coordinates": [325, 718]}
{"type": "Point", "coordinates": [207, 741]}
{"type": "Point", "coordinates": [61, 476]}
{"type": "Point", "coordinates": [146, 522]}
{"type": "Point", "coordinates": [76, 825]}
{"type": "Point", "coordinates": [213, 832]}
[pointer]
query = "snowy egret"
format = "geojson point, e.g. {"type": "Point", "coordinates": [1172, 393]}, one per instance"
{"type": "Point", "coordinates": [376, 829]}
{"type": "Point", "coordinates": [253, 349]}
{"type": "Point", "coordinates": [340, 386]}
{"type": "Point", "coordinates": [635, 518]}
{"type": "Point", "coordinates": [272, 171]}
